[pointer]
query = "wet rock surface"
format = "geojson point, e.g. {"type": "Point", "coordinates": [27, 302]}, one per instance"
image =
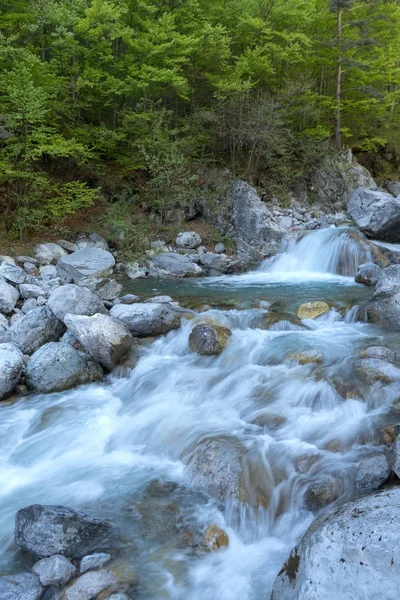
{"type": "Point", "coordinates": [209, 339]}
{"type": "Point", "coordinates": [48, 530]}
{"type": "Point", "coordinates": [351, 550]}
{"type": "Point", "coordinates": [376, 213]}
{"type": "Point", "coordinates": [144, 319]}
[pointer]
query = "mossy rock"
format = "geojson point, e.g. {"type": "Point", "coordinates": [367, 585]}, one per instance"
{"type": "Point", "coordinates": [311, 310]}
{"type": "Point", "coordinates": [207, 340]}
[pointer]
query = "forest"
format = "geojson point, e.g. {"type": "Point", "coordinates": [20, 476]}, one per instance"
{"type": "Point", "coordinates": [127, 102]}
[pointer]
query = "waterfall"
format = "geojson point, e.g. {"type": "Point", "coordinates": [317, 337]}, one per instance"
{"type": "Point", "coordinates": [338, 251]}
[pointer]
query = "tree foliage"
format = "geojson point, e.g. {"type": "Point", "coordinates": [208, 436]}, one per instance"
{"type": "Point", "coordinates": [147, 88]}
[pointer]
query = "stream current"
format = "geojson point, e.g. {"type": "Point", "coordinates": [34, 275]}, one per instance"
{"type": "Point", "coordinates": [155, 447]}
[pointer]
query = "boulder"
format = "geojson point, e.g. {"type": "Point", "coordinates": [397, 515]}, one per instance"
{"type": "Point", "coordinates": [377, 214]}
{"type": "Point", "coordinates": [375, 369]}
{"type": "Point", "coordinates": [209, 339]}
{"type": "Point", "coordinates": [368, 274]}
{"type": "Point", "coordinates": [48, 254]}
{"type": "Point", "coordinates": [55, 570]}
{"type": "Point", "coordinates": [36, 328]}
{"type": "Point", "coordinates": [32, 290]}
{"type": "Point", "coordinates": [7, 259]}
{"type": "Point", "coordinates": [129, 299]}
{"type": "Point", "coordinates": [93, 561]}
{"type": "Point", "coordinates": [385, 312]}
{"type": "Point", "coordinates": [87, 262]}
{"type": "Point", "coordinates": [106, 339]}
{"type": "Point", "coordinates": [23, 586]}
{"type": "Point", "coordinates": [134, 270]}
{"type": "Point", "coordinates": [75, 300]}
{"type": "Point", "coordinates": [170, 264]}
{"type": "Point", "coordinates": [238, 212]}
{"type": "Point", "coordinates": [48, 271]}
{"type": "Point", "coordinates": [8, 297]}
{"type": "Point", "coordinates": [311, 310]}
{"type": "Point", "coordinates": [323, 492]}
{"type": "Point", "coordinates": [11, 273]}
{"type": "Point", "coordinates": [188, 239]}
{"type": "Point", "coordinates": [144, 319]}
{"type": "Point", "coordinates": [217, 264]}
{"type": "Point", "coordinates": [215, 538]}
{"type": "Point", "coordinates": [57, 366]}
{"type": "Point", "coordinates": [91, 240]}
{"type": "Point", "coordinates": [337, 177]}
{"type": "Point", "coordinates": [348, 552]}
{"type": "Point", "coordinates": [106, 289]}
{"type": "Point", "coordinates": [219, 248]}
{"type": "Point", "coordinates": [3, 323]}
{"type": "Point", "coordinates": [388, 282]}
{"type": "Point", "coordinates": [11, 367]}
{"type": "Point", "coordinates": [47, 530]}
{"type": "Point", "coordinates": [90, 585]}
{"type": "Point", "coordinates": [68, 246]}
{"type": "Point", "coordinates": [372, 472]}
{"type": "Point", "coordinates": [380, 352]}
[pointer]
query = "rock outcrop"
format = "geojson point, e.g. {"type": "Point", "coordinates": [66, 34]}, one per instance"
{"type": "Point", "coordinates": [377, 214]}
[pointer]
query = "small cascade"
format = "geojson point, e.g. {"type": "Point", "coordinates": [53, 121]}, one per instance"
{"type": "Point", "coordinates": [338, 251]}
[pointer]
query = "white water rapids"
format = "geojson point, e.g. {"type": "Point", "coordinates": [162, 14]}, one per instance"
{"type": "Point", "coordinates": [98, 447]}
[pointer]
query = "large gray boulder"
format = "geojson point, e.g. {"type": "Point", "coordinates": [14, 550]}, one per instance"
{"type": "Point", "coordinates": [144, 319]}
{"type": "Point", "coordinates": [385, 312]}
{"type": "Point", "coordinates": [106, 289]}
{"type": "Point", "coordinates": [11, 367]}
{"type": "Point", "coordinates": [75, 300]}
{"type": "Point", "coordinates": [8, 296]}
{"type": "Point", "coordinates": [86, 262]}
{"type": "Point", "coordinates": [238, 212]}
{"type": "Point", "coordinates": [372, 472]}
{"type": "Point", "coordinates": [377, 214]}
{"type": "Point", "coordinates": [54, 570]}
{"type": "Point", "coordinates": [368, 273]}
{"type": "Point", "coordinates": [188, 239]}
{"type": "Point", "coordinates": [48, 253]}
{"type": "Point", "coordinates": [349, 552]}
{"type": "Point", "coordinates": [170, 264]}
{"type": "Point", "coordinates": [375, 369]}
{"type": "Point", "coordinates": [106, 339]}
{"type": "Point", "coordinates": [46, 530]}
{"type": "Point", "coordinates": [217, 264]}
{"type": "Point", "coordinates": [36, 328]}
{"type": "Point", "coordinates": [23, 586]}
{"type": "Point", "coordinates": [11, 273]}
{"type": "Point", "coordinates": [57, 366]}
{"type": "Point", "coordinates": [337, 177]}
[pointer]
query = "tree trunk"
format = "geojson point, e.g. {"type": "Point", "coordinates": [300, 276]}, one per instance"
{"type": "Point", "coordinates": [338, 140]}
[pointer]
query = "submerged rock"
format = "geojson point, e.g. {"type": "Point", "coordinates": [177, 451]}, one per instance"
{"type": "Point", "coordinates": [323, 492]}
{"type": "Point", "coordinates": [106, 339]}
{"type": "Point", "coordinates": [11, 367]}
{"type": "Point", "coordinates": [368, 274]}
{"type": "Point", "coordinates": [55, 570]}
{"type": "Point", "coordinates": [374, 369]}
{"type": "Point", "coordinates": [215, 538]}
{"type": "Point", "coordinates": [307, 357]}
{"type": "Point", "coordinates": [56, 367]}
{"type": "Point", "coordinates": [48, 530]}
{"type": "Point", "coordinates": [311, 310]}
{"type": "Point", "coordinates": [380, 352]}
{"type": "Point", "coordinates": [24, 586]}
{"type": "Point", "coordinates": [376, 213]}
{"type": "Point", "coordinates": [209, 339]}
{"type": "Point", "coordinates": [146, 319]}
{"type": "Point", "coordinates": [350, 552]}
{"type": "Point", "coordinates": [75, 300]}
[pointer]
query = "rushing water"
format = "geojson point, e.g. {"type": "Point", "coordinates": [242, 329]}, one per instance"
{"type": "Point", "coordinates": [132, 449]}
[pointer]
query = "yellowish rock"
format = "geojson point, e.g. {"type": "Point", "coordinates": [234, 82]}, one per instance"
{"type": "Point", "coordinates": [307, 357]}
{"type": "Point", "coordinates": [215, 538]}
{"type": "Point", "coordinates": [310, 310]}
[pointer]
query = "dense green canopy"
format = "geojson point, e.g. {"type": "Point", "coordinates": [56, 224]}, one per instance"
{"type": "Point", "coordinates": [100, 90]}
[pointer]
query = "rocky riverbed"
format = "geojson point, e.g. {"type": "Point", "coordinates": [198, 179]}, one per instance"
{"type": "Point", "coordinates": [224, 427]}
